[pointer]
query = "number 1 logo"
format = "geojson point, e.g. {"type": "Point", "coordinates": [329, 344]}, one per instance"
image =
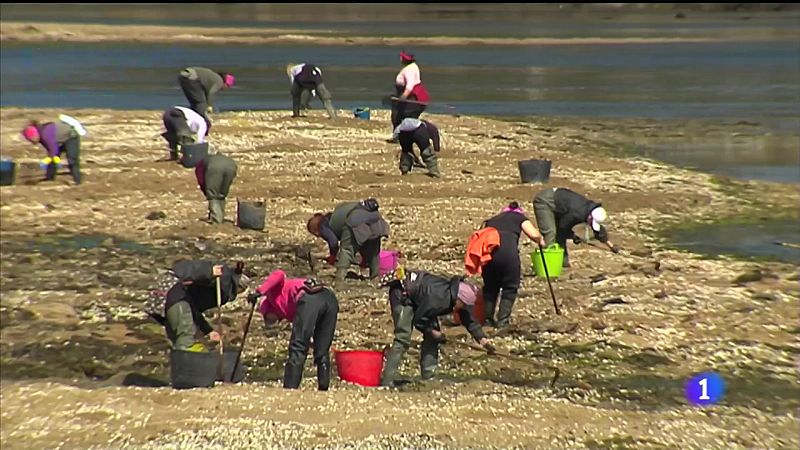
{"type": "Point", "coordinates": [705, 389]}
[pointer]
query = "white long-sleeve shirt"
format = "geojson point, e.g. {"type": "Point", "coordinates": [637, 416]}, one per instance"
{"type": "Point", "coordinates": [196, 123]}
{"type": "Point", "coordinates": [409, 76]}
{"type": "Point", "coordinates": [408, 124]}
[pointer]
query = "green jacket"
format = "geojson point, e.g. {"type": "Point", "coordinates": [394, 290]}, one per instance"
{"type": "Point", "coordinates": [339, 217]}
{"type": "Point", "coordinates": [212, 82]}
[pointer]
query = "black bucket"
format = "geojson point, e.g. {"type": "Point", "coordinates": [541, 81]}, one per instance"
{"type": "Point", "coordinates": [8, 172]}
{"type": "Point", "coordinates": [251, 215]}
{"type": "Point", "coordinates": [193, 154]}
{"type": "Point", "coordinates": [535, 170]}
{"type": "Point", "coordinates": [199, 369]}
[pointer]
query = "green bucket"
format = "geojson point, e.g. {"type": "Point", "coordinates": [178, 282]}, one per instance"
{"type": "Point", "coordinates": [553, 256]}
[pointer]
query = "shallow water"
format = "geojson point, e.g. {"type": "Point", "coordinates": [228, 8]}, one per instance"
{"type": "Point", "coordinates": [757, 240]}
{"type": "Point", "coordinates": [757, 83]}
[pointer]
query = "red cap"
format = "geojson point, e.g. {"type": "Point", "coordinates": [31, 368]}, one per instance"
{"type": "Point", "coordinates": [406, 56]}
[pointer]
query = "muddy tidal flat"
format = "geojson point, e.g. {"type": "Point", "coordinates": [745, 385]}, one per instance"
{"type": "Point", "coordinates": [75, 347]}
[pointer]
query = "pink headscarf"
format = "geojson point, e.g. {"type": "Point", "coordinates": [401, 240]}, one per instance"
{"type": "Point", "coordinates": [510, 209]}
{"type": "Point", "coordinates": [467, 293]}
{"type": "Point", "coordinates": [406, 56]}
{"type": "Point", "coordinates": [229, 79]}
{"type": "Point", "coordinates": [31, 133]}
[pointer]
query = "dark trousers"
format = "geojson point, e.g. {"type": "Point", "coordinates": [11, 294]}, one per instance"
{"type": "Point", "coordinates": [402, 110]}
{"type": "Point", "coordinates": [422, 138]}
{"type": "Point", "coordinates": [544, 207]}
{"type": "Point", "coordinates": [503, 273]}
{"type": "Point", "coordinates": [402, 316]}
{"type": "Point", "coordinates": [178, 131]}
{"type": "Point", "coordinates": [220, 173]}
{"type": "Point", "coordinates": [348, 247]}
{"type": "Point", "coordinates": [316, 316]}
{"type": "Point", "coordinates": [299, 91]}
{"type": "Point", "coordinates": [196, 96]}
{"type": "Point", "coordinates": [72, 148]}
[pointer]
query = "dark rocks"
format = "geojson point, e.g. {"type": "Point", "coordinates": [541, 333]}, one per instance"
{"type": "Point", "coordinates": [768, 296]}
{"type": "Point", "coordinates": [553, 326]}
{"type": "Point", "coordinates": [156, 215]}
{"type": "Point", "coordinates": [642, 252]}
{"type": "Point", "coordinates": [661, 295]}
{"type": "Point", "coordinates": [598, 278]}
{"type": "Point", "coordinates": [753, 276]}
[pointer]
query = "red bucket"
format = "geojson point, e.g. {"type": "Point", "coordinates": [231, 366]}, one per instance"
{"type": "Point", "coordinates": [361, 367]}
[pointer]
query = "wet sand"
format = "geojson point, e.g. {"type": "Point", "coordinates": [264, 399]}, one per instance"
{"type": "Point", "coordinates": [90, 33]}
{"type": "Point", "coordinates": [72, 331]}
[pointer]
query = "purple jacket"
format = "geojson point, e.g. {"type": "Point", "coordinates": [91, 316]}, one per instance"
{"type": "Point", "coordinates": [53, 134]}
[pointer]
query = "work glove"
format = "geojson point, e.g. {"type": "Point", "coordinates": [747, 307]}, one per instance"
{"type": "Point", "coordinates": [48, 160]}
{"type": "Point", "coordinates": [210, 109]}
{"type": "Point", "coordinates": [253, 298]}
{"type": "Point", "coordinates": [437, 336]}
{"type": "Point", "coordinates": [615, 249]}
{"type": "Point", "coordinates": [577, 240]}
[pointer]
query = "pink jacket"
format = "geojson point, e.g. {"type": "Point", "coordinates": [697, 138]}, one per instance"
{"type": "Point", "coordinates": [280, 295]}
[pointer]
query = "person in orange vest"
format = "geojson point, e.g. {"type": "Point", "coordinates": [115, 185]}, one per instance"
{"type": "Point", "coordinates": [501, 269]}
{"type": "Point", "coordinates": [417, 299]}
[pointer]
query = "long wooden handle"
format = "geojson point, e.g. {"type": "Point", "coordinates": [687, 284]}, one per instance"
{"type": "Point", "coordinates": [219, 318]}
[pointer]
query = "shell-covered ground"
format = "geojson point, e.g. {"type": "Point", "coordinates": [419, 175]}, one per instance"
{"type": "Point", "coordinates": [77, 261]}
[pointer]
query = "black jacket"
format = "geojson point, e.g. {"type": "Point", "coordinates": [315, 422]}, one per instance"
{"type": "Point", "coordinates": [573, 208]}
{"type": "Point", "coordinates": [202, 293]}
{"type": "Point", "coordinates": [432, 296]}
{"type": "Point", "coordinates": [434, 133]}
{"type": "Point", "coordinates": [309, 76]}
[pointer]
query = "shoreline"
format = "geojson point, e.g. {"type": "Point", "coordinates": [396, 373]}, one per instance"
{"type": "Point", "coordinates": [635, 326]}
{"type": "Point", "coordinates": [37, 32]}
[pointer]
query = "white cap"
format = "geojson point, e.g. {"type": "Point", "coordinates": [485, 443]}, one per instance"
{"type": "Point", "coordinates": [598, 217]}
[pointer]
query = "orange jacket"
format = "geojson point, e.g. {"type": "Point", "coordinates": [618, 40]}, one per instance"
{"type": "Point", "coordinates": [479, 249]}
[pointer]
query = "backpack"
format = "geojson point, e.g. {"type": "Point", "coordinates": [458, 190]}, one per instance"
{"type": "Point", "coordinates": [157, 297]}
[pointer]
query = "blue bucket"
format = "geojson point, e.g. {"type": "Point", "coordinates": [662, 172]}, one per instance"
{"type": "Point", "coordinates": [8, 172]}
{"type": "Point", "coordinates": [361, 113]}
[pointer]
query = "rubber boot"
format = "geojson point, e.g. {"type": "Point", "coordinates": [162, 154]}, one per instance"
{"type": "Point", "coordinates": [75, 170]}
{"type": "Point", "coordinates": [339, 278]}
{"type": "Point", "coordinates": [323, 375]}
{"type": "Point", "coordinates": [489, 307]}
{"type": "Point", "coordinates": [504, 312]}
{"type": "Point", "coordinates": [216, 210]}
{"type": "Point", "coordinates": [429, 158]}
{"type": "Point", "coordinates": [406, 163]}
{"type": "Point", "coordinates": [393, 361]}
{"type": "Point", "coordinates": [295, 107]}
{"type": "Point", "coordinates": [329, 108]}
{"type": "Point", "coordinates": [50, 173]}
{"type": "Point", "coordinates": [429, 358]}
{"type": "Point", "coordinates": [292, 375]}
